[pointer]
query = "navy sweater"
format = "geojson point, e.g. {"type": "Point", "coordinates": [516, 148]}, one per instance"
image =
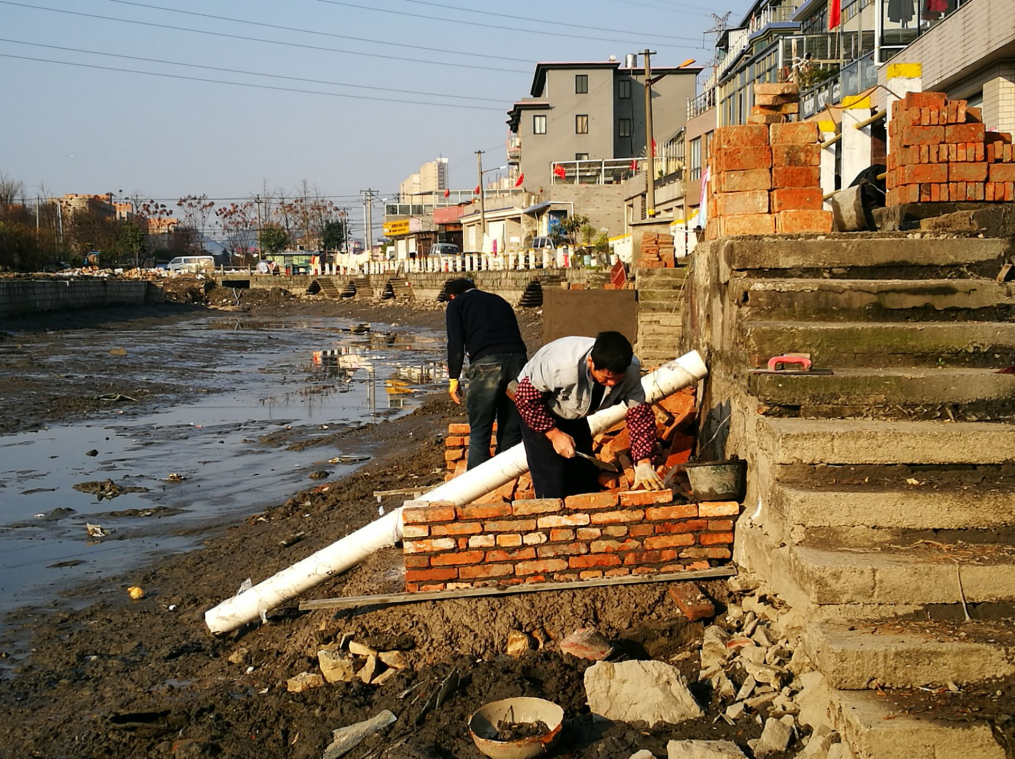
{"type": "Point", "coordinates": [480, 324]}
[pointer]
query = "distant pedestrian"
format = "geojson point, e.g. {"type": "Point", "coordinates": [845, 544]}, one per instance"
{"type": "Point", "coordinates": [484, 327]}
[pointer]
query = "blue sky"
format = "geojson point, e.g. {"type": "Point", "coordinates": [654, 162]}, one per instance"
{"type": "Point", "coordinates": [80, 129]}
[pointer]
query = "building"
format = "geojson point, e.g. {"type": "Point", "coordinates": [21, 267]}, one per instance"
{"type": "Point", "coordinates": [432, 177]}
{"type": "Point", "coordinates": [102, 205]}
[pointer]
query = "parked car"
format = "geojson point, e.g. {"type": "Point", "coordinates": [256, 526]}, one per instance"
{"type": "Point", "coordinates": [196, 264]}
{"type": "Point", "coordinates": [542, 243]}
{"type": "Point", "coordinates": [444, 249]}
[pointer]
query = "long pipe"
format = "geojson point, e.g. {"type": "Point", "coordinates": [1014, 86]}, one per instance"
{"type": "Point", "coordinates": [346, 553]}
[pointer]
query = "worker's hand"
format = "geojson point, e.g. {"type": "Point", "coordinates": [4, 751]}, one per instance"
{"type": "Point", "coordinates": [453, 392]}
{"type": "Point", "coordinates": [563, 443]}
{"type": "Point", "coordinates": [645, 476]}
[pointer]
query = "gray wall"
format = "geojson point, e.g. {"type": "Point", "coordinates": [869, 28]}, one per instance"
{"type": "Point", "coordinates": [25, 296]}
{"type": "Point", "coordinates": [602, 203]}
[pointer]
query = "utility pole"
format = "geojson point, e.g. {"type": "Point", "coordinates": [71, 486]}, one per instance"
{"type": "Point", "coordinates": [650, 182]}
{"type": "Point", "coordinates": [482, 200]}
{"type": "Point", "coordinates": [257, 203]}
{"type": "Point", "coordinates": [369, 220]}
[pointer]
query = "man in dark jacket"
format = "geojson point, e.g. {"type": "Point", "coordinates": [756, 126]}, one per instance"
{"type": "Point", "coordinates": [483, 327]}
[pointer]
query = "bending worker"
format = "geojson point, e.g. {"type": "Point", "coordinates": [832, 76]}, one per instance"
{"type": "Point", "coordinates": [484, 327]}
{"type": "Point", "coordinates": [565, 382]}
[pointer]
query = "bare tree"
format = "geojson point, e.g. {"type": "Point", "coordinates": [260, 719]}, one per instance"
{"type": "Point", "coordinates": [10, 189]}
{"type": "Point", "coordinates": [196, 209]}
{"type": "Point", "coordinates": [239, 227]}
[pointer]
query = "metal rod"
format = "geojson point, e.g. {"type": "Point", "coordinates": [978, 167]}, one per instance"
{"type": "Point", "coordinates": [867, 122]}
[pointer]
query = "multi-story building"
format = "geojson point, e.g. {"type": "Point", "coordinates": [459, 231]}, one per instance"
{"type": "Point", "coordinates": [102, 205]}
{"type": "Point", "coordinates": [432, 177]}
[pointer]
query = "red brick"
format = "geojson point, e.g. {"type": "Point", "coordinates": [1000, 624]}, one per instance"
{"type": "Point", "coordinates": [458, 429]}
{"type": "Point", "coordinates": [965, 133]}
{"type": "Point", "coordinates": [716, 552]}
{"type": "Point", "coordinates": [534, 538]}
{"type": "Point", "coordinates": [589, 533]}
{"type": "Point", "coordinates": [674, 528]}
{"type": "Point", "coordinates": [742, 159]}
{"type": "Point", "coordinates": [753, 224]}
{"type": "Point", "coordinates": [416, 562]}
{"type": "Point", "coordinates": [510, 540]}
{"type": "Point", "coordinates": [743, 181]}
{"type": "Point", "coordinates": [537, 567]}
{"type": "Point", "coordinates": [594, 560]}
{"type": "Point", "coordinates": [568, 520]}
{"type": "Point", "coordinates": [615, 546]}
{"type": "Point", "coordinates": [453, 559]}
{"type": "Point", "coordinates": [415, 531]}
{"type": "Point", "coordinates": [463, 543]}
{"type": "Point", "coordinates": [710, 538]}
{"type": "Point", "coordinates": [740, 137]}
{"type": "Point", "coordinates": [520, 555]}
{"type": "Point", "coordinates": [562, 549]}
{"type": "Point", "coordinates": [484, 510]}
{"type": "Point", "coordinates": [535, 578]}
{"type": "Point", "coordinates": [618, 517]}
{"type": "Point", "coordinates": [796, 176]}
{"type": "Point", "coordinates": [453, 454]}
{"type": "Point", "coordinates": [592, 574]}
{"type": "Point", "coordinates": [486, 570]}
{"type": "Point", "coordinates": [676, 511]}
{"type": "Point", "coordinates": [798, 199]}
{"type": "Point", "coordinates": [967, 172]}
{"type": "Point", "coordinates": [925, 100]}
{"type": "Point", "coordinates": [456, 528]}
{"type": "Point", "coordinates": [719, 509]}
{"type": "Point", "coordinates": [795, 133]}
{"type": "Point", "coordinates": [796, 155]}
{"type": "Point", "coordinates": [537, 506]}
{"type": "Point", "coordinates": [740, 203]}
{"type": "Point", "coordinates": [428, 514]}
{"type": "Point", "coordinates": [430, 587]}
{"type": "Point", "coordinates": [646, 497]}
{"type": "Point", "coordinates": [617, 572]}
{"type": "Point", "coordinates": [428, 546]}
{"type": "Point", "coordinates": [925, 173]}
{"type": "Point", "coordinates": [456, 441]}
{"type": "Point", "coordinates": [803, 222]}
{"type": "Point", "coordinates": [649, 557]}
{"type": "Point", "coordinates": [1002, 172]}
{"type": "Point", "coordinates": [591, 501]}
{"type": "Point", "coordinates": [692, 603]}
{"type": "Point", "coordinates": [669, 541]}
{"type": "Point", "coordinates": [720, 525]}
{"type": "Point", "coordinates": [561, 535]}
{"type": "Point", "coordinates": [514, 525]}
{"type": "Point", "coordinates": [482, 541]}
{"type": "Point", "coordinates": [922, 135]}
{"type": "Point", "coordinates": [430, 575]}
{"type": "Point", "coordinates": [615, 531]}
{"type": "Point", "coordinates": [640, 530]}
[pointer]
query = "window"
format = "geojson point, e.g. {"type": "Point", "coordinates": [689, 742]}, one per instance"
{"type": "Point", "coordinates": [706, 143]}
{"type": "Point", "coordinates": [581, 84]}
{"type": "Point", "coordinates": [581, 124]}
{"type": "Point", "coordinates": [624, 89]}
{"type": "Point", "coordinates": [539, 125]}
{"type": "Point", "coordinates": [581, 156]}
{"type": "Point", "coordinates": [624, 128]}
{"type": "Point", "coordinates": [695, 158]}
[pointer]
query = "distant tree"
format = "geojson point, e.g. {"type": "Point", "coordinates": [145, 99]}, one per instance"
{"type": "Point", "coordinates": [196, 209]}
{"type": "Point", "coordinates": [571, 227]}
{"type": "Point", "coordinates": [11, 190]}
{"type": "Point", "coordinates": [239, 227]}
{"type": "Point", "coordinates": [131, 243]}
{"type": "Point", "coordinates": [333, 234]}
{"type": "Point", "coordinates": [274, 239]}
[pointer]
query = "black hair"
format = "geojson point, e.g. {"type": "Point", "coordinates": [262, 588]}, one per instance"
{"type": "Point", "coordinates": [458, 286]}
{"type": "Point", "coordinates": [613, 352]}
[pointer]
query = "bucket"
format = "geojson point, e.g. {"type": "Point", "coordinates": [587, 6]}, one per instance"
{"type": "Point", "coordinates": [717, 480]}
{"type": "Point", "coordinates": [483, 727]}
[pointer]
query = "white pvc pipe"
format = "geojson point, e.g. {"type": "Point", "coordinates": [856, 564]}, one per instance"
{"type": "Point", "coordinates": [352, 549]}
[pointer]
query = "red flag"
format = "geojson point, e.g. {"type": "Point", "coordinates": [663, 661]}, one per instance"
{"type": "Point", "coordinates": [834, 14]}
{"type": "Point", "coordinates": [559, 171]}
{"type": "Point", "coordinates": [476, 191]}
{"type": "Point", "coordinates": [447, 193]}
{"type": "Point", "coordinates": [518, 182]}
{"type": "Point", "coordinates": [634, 164]}
{"type": "Point", "coordinates": [653, 148]}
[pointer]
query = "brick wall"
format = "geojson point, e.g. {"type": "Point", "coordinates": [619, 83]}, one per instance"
{"type": "Point", "coordinates": [22, 295]}
{"type": "Point", "coordinates": [579, 538]}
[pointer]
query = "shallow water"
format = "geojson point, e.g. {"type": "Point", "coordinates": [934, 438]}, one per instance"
{"type": "Point", "coordinates": [304, 377]}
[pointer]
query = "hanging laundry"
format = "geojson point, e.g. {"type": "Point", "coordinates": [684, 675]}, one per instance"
{"type": "Point", "coordinates": [901, 11]}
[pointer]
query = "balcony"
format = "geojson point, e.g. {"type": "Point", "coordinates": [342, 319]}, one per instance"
{"type": "Point", "coordinates": [514, 151]}
{"type": "Point", "coordinates": [608, 171]}
{"type": "Point", "coordinates": [697, 106]}
{"type": "Point", "coordinates": [858, 76]}
{"type": "Point", "coordinates": [740, 39]}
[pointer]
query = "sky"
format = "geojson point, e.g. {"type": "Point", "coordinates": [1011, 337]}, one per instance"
{"type": "Point", "coordinates": [432, 78]}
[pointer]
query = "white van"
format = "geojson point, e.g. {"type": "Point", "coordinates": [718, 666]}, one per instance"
{"type": "Point", "coordinates": [202, 264]}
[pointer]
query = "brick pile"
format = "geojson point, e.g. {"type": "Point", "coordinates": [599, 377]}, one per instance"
{"type": "Point", "coordinates": [941, 152]}
{"type": "Point", "coordinates": [582, 537]}
{"type": "Point", "coordinates": [657, 251]}
{"type": "Point", "coordinates": [774, 103]}
{"type": "Point", "coordinates": [766, 179]}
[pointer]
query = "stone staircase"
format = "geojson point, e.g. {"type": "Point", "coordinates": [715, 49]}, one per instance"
{"type": "Point", "coordinates": [359, 287]}
{"type": "Point", "coordinates": [398, 289]}
{"type": "Point", "coordinates": [326, 286]}
{"type": "Point", "coordinates": [881, 503]}
{"type": "Point", "coordinates": [660, 314]}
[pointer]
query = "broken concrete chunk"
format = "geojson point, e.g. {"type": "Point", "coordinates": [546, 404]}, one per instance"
{"type": "Point", "coordinates": [240, 656]}
{"type": "Point", "coordinates": [384, 676]}
{"type": "Point", "coordinates": [336, 666]}
{"type": "Point", "coordinates": [713, 649]}
{"type": "Point", "coordinates": [359, 649]}
{"type": "Point", "coordinates": [703, 750]}
{"type": "Point", "coordinates": [639, 691]}
{"type": "Point", "coordinates": [774, 738]}
{"type": "Point", "coordinates": [345, 739]}
{"type": "Point", "coordinates": [369, 670]}
{"type": "Point", "coordinates": [747, 688]}
{"type": "Point", "coordinates": [758, 701]}
{"type": "Point", "coordinates": [392, 659]}
{"type": "Point", "coordinates": [586, 643]}
{"type": "Point", "coordinates": [785, 705]}
{"type": "Point", "coordinates": [722, 685]}
{"type": "Point", "coordinates": [304, 681]}
{"type": "Point", "coordinates": [518, 643]}
{"type": "Point", "coordinates": [692, 603]}
{"type": "Point", "coordinates": [736, 711]}
{"type": "Point", "coordinates": [643, 754]}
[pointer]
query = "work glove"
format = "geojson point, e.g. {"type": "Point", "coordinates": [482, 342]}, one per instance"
{"type": "Point", "coordinates": [645, 476]}
{"type": "Point", "coordinates": [453, 391]}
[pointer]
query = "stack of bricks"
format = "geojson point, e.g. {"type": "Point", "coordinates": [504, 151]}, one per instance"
{"type": "Point", "coordinates": [766, 179]}
{"type": "Point", "coordinates": [941, 152]}
{"type": "Point", "coordinates": [774, 103]}
{"type": "Point", "coordinates": [657, 251]}
{"type": "Point", "coordinates": [582, 537]}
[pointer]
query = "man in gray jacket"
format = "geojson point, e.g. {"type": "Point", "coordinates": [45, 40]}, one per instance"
{"type": "Point", "coordinates": [564, 383]}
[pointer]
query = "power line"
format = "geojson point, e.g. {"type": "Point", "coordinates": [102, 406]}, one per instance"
{"type": "Point", "coordinates": [249, 73]}
{"type": "Point", "coordinates": [681, 8]}
{"type": "Point", "coordinates": [499, 27]}
{"type": "Point", "coordinates": [247, 84]}
{"type": "Point", "coordinates": [255, 39]}
{"type": "Point", "coordinates": [319, 33]}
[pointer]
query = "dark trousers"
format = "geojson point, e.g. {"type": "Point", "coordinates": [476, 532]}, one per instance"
{"type": "Point", "coordinates": [553, 476]}
{"type": "Point", "coordinates": [487, 401]}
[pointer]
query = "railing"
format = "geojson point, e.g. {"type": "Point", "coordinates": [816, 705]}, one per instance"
{"type": "Point", "coordinates": [426, 202]}
{"type": "Point", "coordinates": [525, 260]}
{"type": "Point", "coordinates": [698, 105]}
{"type": "Point", "coordinates": [514, 149]}
{"type": "Point", "coordinates": [825, 48]}
{"type": "Point", "coordinates": [858, 76]}
{"type": "Point", "coordinates": [607, 171]}
{"type": "Point", "coordinates": [739, 39]}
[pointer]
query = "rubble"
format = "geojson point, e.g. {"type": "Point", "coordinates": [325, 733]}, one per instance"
{"type": "Point", "coordinates": [336, 667]}
{"type": "Point", "coordinates": [639, 691]}
{"type": "Point", "coordinates": [692, 603]}
{"type": "Point", "coordinates": [586, 643]}
{"type": "Point", "coordinates": [775, 737]}
{"type": "Point", "coordinates": [703, 750]}
{"type": "Point", "coordinates": [345, 739]}
{"type": "Point", "coordinates": [304, 681]}
{"type": "Point", "coordinates": [369, 670]}
{"type": "Point", "coordinates": [518, 643]}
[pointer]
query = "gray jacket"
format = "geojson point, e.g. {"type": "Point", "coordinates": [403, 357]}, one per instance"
{"type": "Point", "coordinates": [561, 368]}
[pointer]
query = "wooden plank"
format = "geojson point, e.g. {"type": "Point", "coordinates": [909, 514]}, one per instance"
{"type": "Point", "coordinates": [390, 599]}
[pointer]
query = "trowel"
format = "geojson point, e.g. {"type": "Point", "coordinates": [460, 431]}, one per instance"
{"type": "Point", "coordinates": [601, 464]}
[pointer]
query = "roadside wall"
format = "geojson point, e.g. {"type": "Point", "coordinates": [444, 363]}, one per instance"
{"type": "Point", "coordinates": [26, 296]}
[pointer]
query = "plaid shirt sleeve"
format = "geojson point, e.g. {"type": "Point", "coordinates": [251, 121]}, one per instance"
{"type": "Point", "coordinates": [532, 407]}
{"type": "Point", "coordinates": [641, 426]}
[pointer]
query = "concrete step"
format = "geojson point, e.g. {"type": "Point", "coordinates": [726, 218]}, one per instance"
{"type": "Point", "coordinates": [929, 393]}
{"type": "Point", "coordinates": [896, 654]}
{"type": "Point", "coordinates": [873, 299]}
{"type": "Point", "coordinates": [901, 255]}
{"type": "Point", "coordinates": [810, 441]}
{"type": "Point", "coordinates": [651, 279]}
{"type": "Point", "coordinates": [875, 728]}
{"type": "Point", "coordinates": [669, 295]}
{"type": "Point", "coordinates": [655, 319]}
{"type": "Point", "coordinates": [844, 345]}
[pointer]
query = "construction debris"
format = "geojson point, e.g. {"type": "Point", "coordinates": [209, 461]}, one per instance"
{"type": "Point", "coordinates": [345, 739]}
{"type": "Point", "coordinates": [639, 691]}
{"type": "Point", "coordinates": [586, 643]}
{"type": "Point", "coordinates": [703, 750]}
{"type": "Point", "coordinates": [304, 681]}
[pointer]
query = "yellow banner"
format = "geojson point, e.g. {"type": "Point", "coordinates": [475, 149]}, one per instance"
{"type": "Point", "coordinates": [395, 228]}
